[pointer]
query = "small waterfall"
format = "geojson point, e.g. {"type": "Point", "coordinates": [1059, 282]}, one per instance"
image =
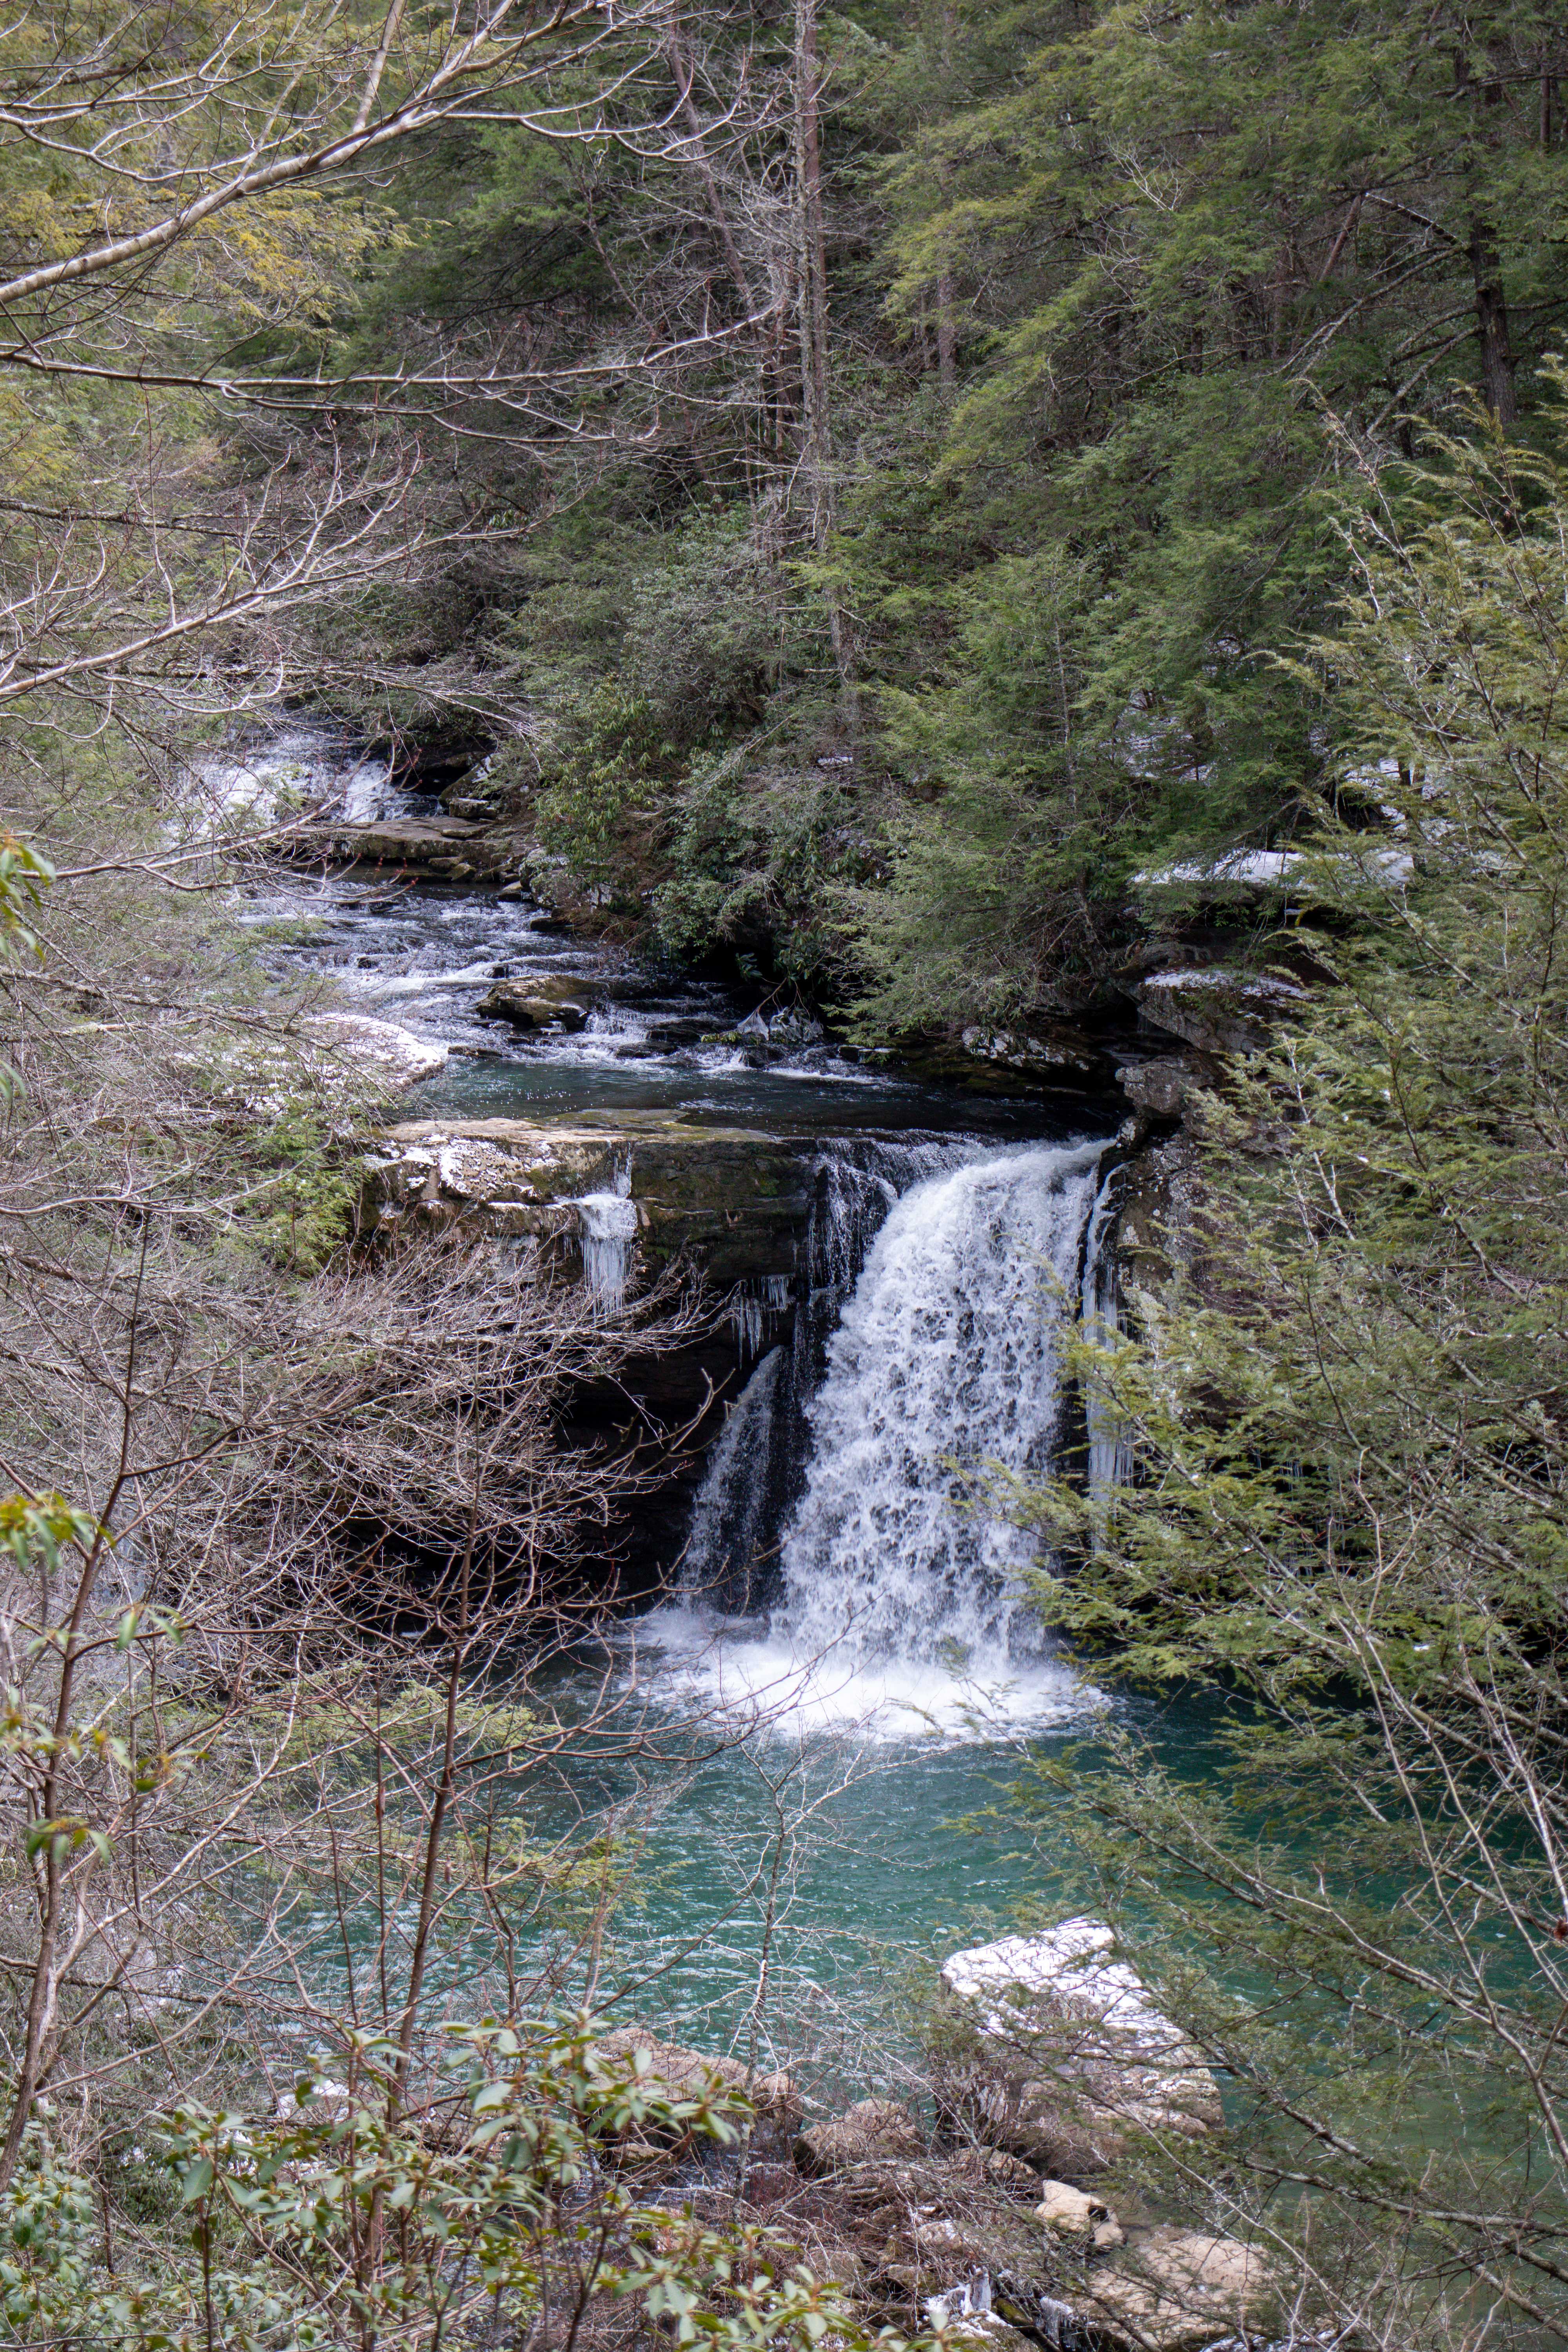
{"type": "Point", "coordinates": [1108, 1455]}
{"type": "Point", "coordinates": [945, 1365]}
{"type": "Point", "coordinates": [607, 1223]}
{"type": "Point", "coordinates": [723, 1564]}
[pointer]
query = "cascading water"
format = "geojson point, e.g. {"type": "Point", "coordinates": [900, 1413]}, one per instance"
{"type": "Point", "coordinates": [607, 1224]}
{"type": "Point", "coordinates": [944, 1367]}
{"type": "Point", "coordinates": [901, 1584]}
{"type": "Point", "coordinates": [1108, 1449]}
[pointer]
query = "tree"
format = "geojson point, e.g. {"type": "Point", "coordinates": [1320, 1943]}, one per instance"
{"type": "Point", "coordinates": [1347, 1513]}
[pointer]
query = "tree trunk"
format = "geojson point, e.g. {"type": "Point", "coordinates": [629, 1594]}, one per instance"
{"type": "Point", "coordinates": [818, 451]}
{"type": "Point", "coordinates": [813, 272]}
{"type": "Point", "coordinates": [946, 334]}
{"type": "Point", "coordinates": [1492, 323]}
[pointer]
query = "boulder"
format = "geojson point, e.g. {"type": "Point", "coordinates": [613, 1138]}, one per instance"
{"type": "Point", "coordinates": [1055, 2051]}
{"type": "Point", "coordinates": [1043, 1051]}
{"type": "Point", "coordinates": [389, 1056]}
{"type": "Point", "coordinates": [873, 2128]}
{"type": "Point", "coordinates": [1177, 2289]}
{"type": "Point", "coordinates": [1073, 2213]}
{"type": "Point", "coordinates": [1161, 1088]}
{"type": "Point", "coordinates": [681, 2073]}
{"type": "Point", "coordinates": [1218, 1011]}
{"type": "Point", "coordinates": [535, 1003]}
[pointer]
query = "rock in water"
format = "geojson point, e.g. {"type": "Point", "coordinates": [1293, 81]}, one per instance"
{"type": "Point", "coordinates": [537, 1004]}
{"type": "Point", "coordinates": [1059, 2055]}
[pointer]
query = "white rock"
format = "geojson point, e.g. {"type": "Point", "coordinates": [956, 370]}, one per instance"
{"type": "Point", "coordinates": [1179, 2289]}
{"type": "Point", "coordinates": [1075, 1961]}
{"type": "Point", "coordinates": [1073, 2213]}
{"type": "Point", "coordinates": [1082, 2056]}
{"type": "Point", "coordinates": [378, 1049]}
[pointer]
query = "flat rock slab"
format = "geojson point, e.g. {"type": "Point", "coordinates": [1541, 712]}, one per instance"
{"type": "Point", "coordinates": [440, 847]}
{"type": "Point", "coordinates": [737, 1203]}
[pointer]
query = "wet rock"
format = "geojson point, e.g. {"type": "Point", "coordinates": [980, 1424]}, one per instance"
{"type": "Point", "coordinates": [1177, 2289]}
{"type": "Point", "coordinates": [765, 1041]}
{"type": "Point", "coordinates": [1055, 2051]}
{"type": "Point", "coordinates": [735, 1204]}
{"type": "Point", "coordinates": [534, 1004]}
{"type": "Point", "coordinates": [796, 1029]}
{"type": "Point", "coordinates": [1042, 1052]}
{"type": "Point", "coordinates": [873, 2128]}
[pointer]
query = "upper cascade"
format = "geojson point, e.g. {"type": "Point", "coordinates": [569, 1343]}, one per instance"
{"type": "Point", "coordinates": [945, 1364]}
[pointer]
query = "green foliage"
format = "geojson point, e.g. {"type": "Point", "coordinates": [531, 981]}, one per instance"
{"type": "Point", "coordinates": [350, 2217]}
{"type": "Point", "coordinates": [1350, 1507]}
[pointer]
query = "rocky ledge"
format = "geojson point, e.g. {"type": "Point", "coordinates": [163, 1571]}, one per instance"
{"type": "Point", "coordinates": [447, 849]}
{"type": "Point", "coordinates": [611, 1196]}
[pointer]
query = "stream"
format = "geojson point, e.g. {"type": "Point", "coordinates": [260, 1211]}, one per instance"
{"type": "Point", "coordinates": [844, 1627]}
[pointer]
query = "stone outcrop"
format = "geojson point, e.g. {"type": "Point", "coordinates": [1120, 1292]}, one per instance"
{"type": "Point", "coordinates": [1046, 1052]}
{"type": "Point", "coordinates": [969, 2240]}
{"type": "Point", "coordinates": [1177, 2290]}
{"type": "Point", "coordinates": [872, 2129]}
{"type": "Point", "coordinates": [734, 1203]}
{"type": "Point", "coordinates": [444, 849]}
{"type": "Point", "coordinates": [1055, 2051]}
{"type": "Point", "coordinates": [1216, 1010]}
{"type": "Point", "coordinates": [1161, 1088]}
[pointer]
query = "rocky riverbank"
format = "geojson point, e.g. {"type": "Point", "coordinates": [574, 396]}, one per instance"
{"type": "Point", "coordinates": [998, 2216]}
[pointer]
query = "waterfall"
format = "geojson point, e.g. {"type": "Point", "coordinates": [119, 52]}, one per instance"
{"type": "Point", "coordinates": [944, 1367]}
{"type": "Point", "coordinates": [607, 1224]}
{"type": "Point", "coordinates": [723, 1564]}
{"type": "Point", "coordinates": [871, 1443]}
{"type": "Point", "coordinates": [1107, 1450]}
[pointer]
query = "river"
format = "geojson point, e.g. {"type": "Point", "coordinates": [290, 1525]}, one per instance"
{"type": "Point", "coordinates": [842, 1626]}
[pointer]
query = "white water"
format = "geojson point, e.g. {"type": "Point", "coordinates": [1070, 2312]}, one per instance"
{"type": "Point", "coordinates": [607, 1224]}
{"type": "Point", "coordinates": [904, 1606]}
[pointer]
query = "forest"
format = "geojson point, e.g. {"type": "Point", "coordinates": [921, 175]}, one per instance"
{"type": "Point", "coordinates": [784, 1097]}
